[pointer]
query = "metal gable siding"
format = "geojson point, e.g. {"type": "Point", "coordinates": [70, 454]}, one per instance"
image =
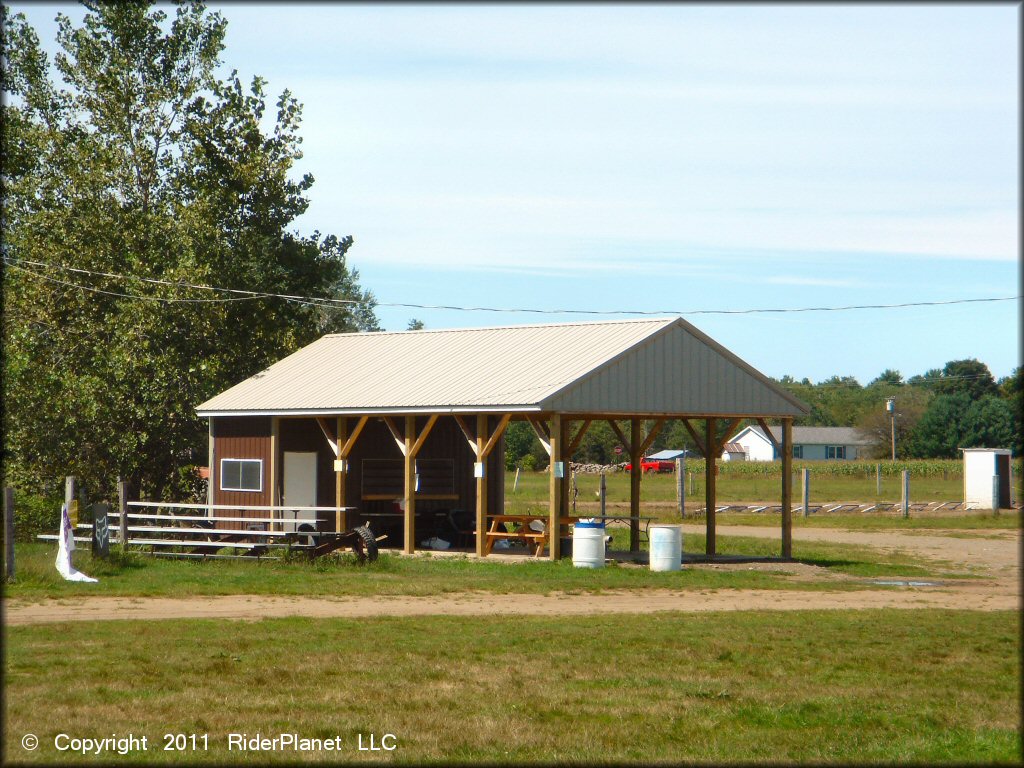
{"type": "Point", "coordinates": [673, 372]}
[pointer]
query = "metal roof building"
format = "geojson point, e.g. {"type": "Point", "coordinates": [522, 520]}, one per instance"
{"type": "Point", "coordinates": [553, 375]}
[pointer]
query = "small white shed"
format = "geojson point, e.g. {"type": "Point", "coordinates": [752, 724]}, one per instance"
{"type": "Point", "coordinates": [987, 478]}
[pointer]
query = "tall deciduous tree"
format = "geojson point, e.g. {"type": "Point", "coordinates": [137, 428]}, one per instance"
{"type": "Point", "coordinates": [135, 158]}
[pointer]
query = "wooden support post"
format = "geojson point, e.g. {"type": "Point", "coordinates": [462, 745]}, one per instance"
{"type": "Point", "coordinates": [709, 487]}
{"type": "Point", "coordinates": [787, 488]}
{"type": "Point", "coordinates": [555, 482]}
{"type": "Point", "coordinates": [210, 460]}
{"type": "Point", "coordinates": [805, 476]}
{"type": "Point", "coordinates": [567, 482]}
{"type": "Point", "coordinates": [636, 456]}
{"type": "Point", "coordinates": [275, 432]}
{"type": "Point", "coordinates": [340, 475]}
{"type": "Point", "coordinates": [9, 534]}
{"type": "Point", "coordinates": [410, 485]}
{"type": "Point", "coordinates": [480, 470]}
{"type": "Point", "coordinates": [543, 433]}
{"type": "Point", "coordinates": [602, 493]}
{"type": "Point", "coordinates": [122, 506]}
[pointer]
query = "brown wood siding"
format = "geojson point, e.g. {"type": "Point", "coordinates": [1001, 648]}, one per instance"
{"type": "Point", "coordinates": [241, 438]}
{"type": "Point", "coordinates": [249, 438]}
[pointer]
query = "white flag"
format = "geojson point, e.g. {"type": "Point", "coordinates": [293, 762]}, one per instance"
{"type": "Point", "coordinates": [65, 546]}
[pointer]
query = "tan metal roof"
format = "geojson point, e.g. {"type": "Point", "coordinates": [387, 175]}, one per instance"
{"type": "Point", "coordinates": [632, 366]}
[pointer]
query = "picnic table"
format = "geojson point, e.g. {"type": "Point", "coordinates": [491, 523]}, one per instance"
{"type": "Point", "coordinates": [524, 533]}
{"type": "Point", "coordinates": [540, 539]}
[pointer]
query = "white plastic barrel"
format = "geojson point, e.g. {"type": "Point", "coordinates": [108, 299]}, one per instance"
{"type": "Point", "coordinates": [666, 547]}
{"type": "Point", "coordinates": [588, 545]}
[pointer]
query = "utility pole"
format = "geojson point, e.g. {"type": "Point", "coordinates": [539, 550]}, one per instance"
{"type": "Point", "coordinates": [890, 406]}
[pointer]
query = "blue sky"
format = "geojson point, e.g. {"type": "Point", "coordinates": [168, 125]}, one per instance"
{"type": "Point", "coordinates": [667, 157]}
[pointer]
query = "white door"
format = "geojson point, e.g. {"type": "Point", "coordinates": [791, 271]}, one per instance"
{"type": "Point", "coordinates": [299, 485]}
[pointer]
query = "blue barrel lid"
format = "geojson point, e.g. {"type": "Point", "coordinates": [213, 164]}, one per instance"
{"type": "Point", "coordinates": [582, 524]}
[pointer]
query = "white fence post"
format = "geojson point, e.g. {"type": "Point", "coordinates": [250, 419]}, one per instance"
{"type": "Point", "coordinates": [906, 493]}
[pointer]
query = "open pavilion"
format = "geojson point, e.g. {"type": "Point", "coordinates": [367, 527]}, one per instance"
{"type": "Point", "coordinates": [359, 418]}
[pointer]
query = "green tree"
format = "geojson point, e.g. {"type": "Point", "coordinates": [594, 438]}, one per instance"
{"type": "Point", "coordinates": [990, 423]}
{"type": "Point", "coordinates": [415, 325]}
{"type": "Point", "coordinates": [135, 158]}
{"type": "Point", "coordinates": [888, 376]}
{"type": "Point", "coordinates": [519, 442]}
{"type": "Point", "coordinates": [876, 425]}
{"type": "Point", "coordinates": [939, 431]}
{"type": "Point", "coordinates": [968, 376]}
{"type": "Point", "coordinates": [1012, 386]}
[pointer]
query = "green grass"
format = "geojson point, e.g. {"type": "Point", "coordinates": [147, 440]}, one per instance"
{"type": "Point", "coordinates": [136, 574]}
{"type": "Point", "coordinates": [987, 521]}
{"type": "Point", "coordinates": [533, 488]}
{"type": "Point", "coordinates": [919, 686]}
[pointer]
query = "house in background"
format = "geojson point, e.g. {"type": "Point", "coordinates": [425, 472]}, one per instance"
{"type": "Point", "coordinates": [814, 443]}
{"type": "Point", "coordinates": [734, 452]}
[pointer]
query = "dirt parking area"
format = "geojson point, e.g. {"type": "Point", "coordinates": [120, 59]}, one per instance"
{"type": "Point", "coordinates": [994, 557]}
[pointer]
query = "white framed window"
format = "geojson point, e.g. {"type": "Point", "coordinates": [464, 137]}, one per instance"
{"type": "Point", "coordinates": [241, 474]}
{"type": "Point", "coordinates": [835, 452]}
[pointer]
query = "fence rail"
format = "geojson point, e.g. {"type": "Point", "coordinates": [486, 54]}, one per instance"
{"type": "Point", "coordinates": [168, 533]}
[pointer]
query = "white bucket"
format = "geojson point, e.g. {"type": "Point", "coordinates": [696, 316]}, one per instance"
{"type": "Point", "coordinates": [666, 547]}
{"type": "Point", "coordinates": [588, 545]}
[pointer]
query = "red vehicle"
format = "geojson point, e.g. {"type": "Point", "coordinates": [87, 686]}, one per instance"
{"type": "Point", "coordinates": [653, 465]}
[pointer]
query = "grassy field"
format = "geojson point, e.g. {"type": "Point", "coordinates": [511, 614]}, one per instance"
{"type": "Point", "coordinates": [800, 687]}
{"type": "Point", "coordinates": [138, 574]}
{"type": "Point", "coordinates": [531, 491]}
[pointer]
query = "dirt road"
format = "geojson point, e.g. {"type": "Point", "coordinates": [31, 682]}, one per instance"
{"type": "Point", "coordinates": [993, 555]}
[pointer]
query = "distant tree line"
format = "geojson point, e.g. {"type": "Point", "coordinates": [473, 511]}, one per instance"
{"type": "Point", "coordinates": [960, 405]}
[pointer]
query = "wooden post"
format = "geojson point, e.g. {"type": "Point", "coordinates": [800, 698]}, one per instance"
{"type": "Point", "coordinates": [275, 431]}
{"type": "Point", "coordinates": [563, 505]}
{"type": "Point", "coordinates": [9, 533]}
{"type": "Point", "coordinates": [602, 494]}
{"type": "Point", "coordinates": [100, 529]}
{"type": "Point", "coordinates": [710, 449]}
{"type": "Point", "coordinates": [210, 459]}
{"type": "Point", "coordinates": [340, 517]}
{"type": "Point", "coordinates": [480, 470]}
{"type": "Point", "coordinates": [905, 477]}
{"type": "Point", "coordinates": [122, 506]}
{"type": "Point", "coordinates": [410, 485]}
{"type": "Point", "coordinates": [636, 457]}
{"type": "Point", "coordinates": [787, 488]}
{"type": "Point", "coordinates": [681, 486]}
{"type": "Point", "coordinates": [805, 476]}
{"type": "Point", "coordinates": [555, 481]}
{"type": "Point", "coordinates": [515, 483]}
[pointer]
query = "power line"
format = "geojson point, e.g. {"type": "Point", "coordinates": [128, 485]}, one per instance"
{"type": "Point", "coordinates": [130, 295]}
{"type": "Point", "coordinates": [336, 303]}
